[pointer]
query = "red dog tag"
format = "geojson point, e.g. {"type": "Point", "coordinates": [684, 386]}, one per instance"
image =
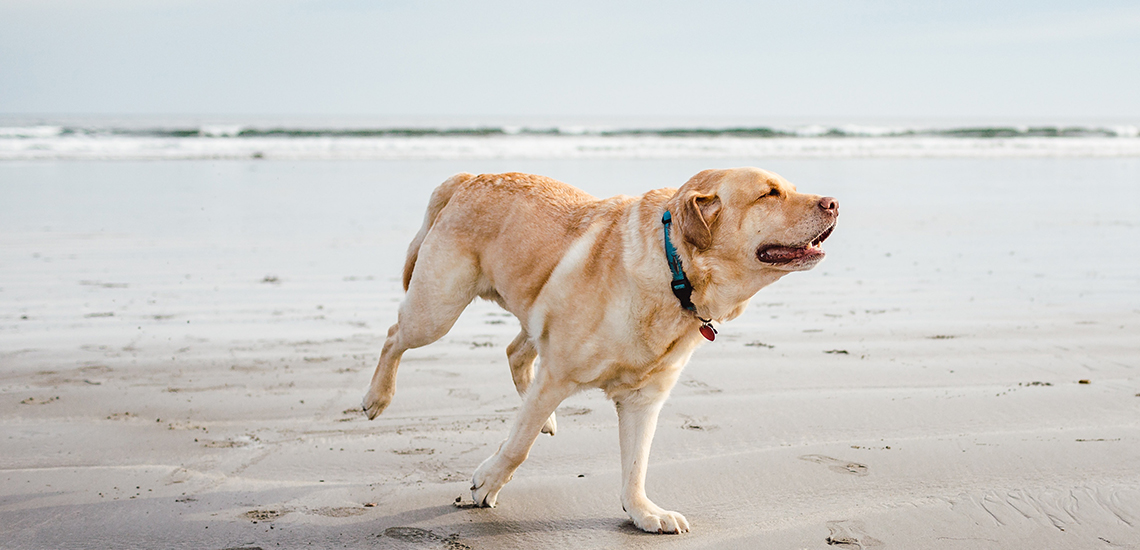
{"type": "Point", "coordinates": [708, 332]}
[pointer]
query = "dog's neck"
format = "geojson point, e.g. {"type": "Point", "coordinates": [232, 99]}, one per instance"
{"type": "Point", "coordinates": [682, 288]}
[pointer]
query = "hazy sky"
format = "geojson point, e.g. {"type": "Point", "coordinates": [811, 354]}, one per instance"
{"type": "Point", "coordinates": [914, 58]}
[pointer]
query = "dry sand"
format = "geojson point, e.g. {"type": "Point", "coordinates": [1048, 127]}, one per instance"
{"type": "Point", "coordinates": [184, 346]}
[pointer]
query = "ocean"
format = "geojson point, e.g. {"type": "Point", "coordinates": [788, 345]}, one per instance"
{"type": "Point", "coordinates": [331, 138]}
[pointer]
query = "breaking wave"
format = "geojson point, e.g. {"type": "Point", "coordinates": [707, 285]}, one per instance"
{"type": "Point", "coordinates": [29, 142]}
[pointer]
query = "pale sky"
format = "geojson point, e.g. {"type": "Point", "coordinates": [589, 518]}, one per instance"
{"type": "Point", "coordinates": [572, 58]}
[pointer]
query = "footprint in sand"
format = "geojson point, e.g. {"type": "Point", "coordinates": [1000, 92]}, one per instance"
{"type": "Point", "coordinates": [462, 393]}
{"type": "Point", "coordinates": [836, 465]}
{"type": "Point", "coordinates": [423, 536]}
{"type": "Point", "coordinates": [339, 512]}
{"type": "Point", "coordinates": [701, 387]}
{"type": "Point", "coordinates": [697, 424]}
{"type": "Point", "coordinates": [849, 534]}
{"type": "Point", "coordinates": [264, 515]}
{"type": "Point", "coordinates": [573, 411]}
{"type": "Point", "coordinates": [417, 451]}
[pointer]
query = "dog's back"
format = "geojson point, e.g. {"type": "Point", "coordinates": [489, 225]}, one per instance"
{"type": "Point", "coordinates": [514, 226]}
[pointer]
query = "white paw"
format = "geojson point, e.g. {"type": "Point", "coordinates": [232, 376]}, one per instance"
{"type": "Point", "coordinates": [488, 480]}
{"type": "Point", "coordinates": [550, 426]}
{"type": "Point", "coordinates": [375, 403]}
{"type": "Point", "coordinates": [653, 519]}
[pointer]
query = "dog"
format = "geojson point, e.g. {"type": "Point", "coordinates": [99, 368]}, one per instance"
{"type": "Point", "coordinates": [612, 294]}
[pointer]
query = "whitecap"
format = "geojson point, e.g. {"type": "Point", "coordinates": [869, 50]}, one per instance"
{"type": "Point", "coordinates": [812, 131]}
{"type": "Point", "coordinates": [31, 131]}
{"type": "Point", "coordinates": [573, 130]}
{"type": "Point", "coordinates": [870, 131]}
{"type": "Point", "coordinates": [221, 131]}
{"type": "Point", "coordinates": [1126, 131]}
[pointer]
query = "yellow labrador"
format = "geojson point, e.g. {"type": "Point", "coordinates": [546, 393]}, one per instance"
{"type": "Point", "coordinates": [612, 294]}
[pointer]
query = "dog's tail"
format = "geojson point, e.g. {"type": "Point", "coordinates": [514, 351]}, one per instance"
{"type": "Point", "coordinates": [439, 199]}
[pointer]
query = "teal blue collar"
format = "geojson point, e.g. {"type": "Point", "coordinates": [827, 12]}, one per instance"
{"type": "Point", "coordinates": [682, 288]}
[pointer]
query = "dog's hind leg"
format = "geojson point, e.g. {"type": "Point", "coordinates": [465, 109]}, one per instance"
{"type": "Point", "coordinates": [444, 283]}
{"type": "Point", "coordinates": [521, 354]}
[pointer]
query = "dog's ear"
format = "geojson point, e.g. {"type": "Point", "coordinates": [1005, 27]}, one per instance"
{"type": "Point", "coordinates": [698, 213]}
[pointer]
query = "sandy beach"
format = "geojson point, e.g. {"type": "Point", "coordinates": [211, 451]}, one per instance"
{"type": "Point", "coordinates": [184, 346]}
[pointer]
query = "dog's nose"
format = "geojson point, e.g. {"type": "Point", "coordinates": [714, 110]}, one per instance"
{"type": "Point", "coordinates": [830, 204]}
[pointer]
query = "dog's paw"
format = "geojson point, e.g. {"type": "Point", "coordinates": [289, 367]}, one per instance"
{"type": "Point", "coordinates": [375, 403]}
{"type": "Point", "coordinates": [488, 480]}
{"type": "Point", "coordinates": [653, 519]}
{"type": "Point", "coordinates": [550, 426]}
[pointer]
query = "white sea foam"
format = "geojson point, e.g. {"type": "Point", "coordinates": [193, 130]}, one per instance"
{"type": "Point", "coordinates": [871, 131]}
{"type": "Point", "coordinates": [43, 144]}
{"type": "Point", "coordinates": [813, 130]}
{"type": "Point", "coordinates": [575, 130]}
{"type": "Point", "coordinates": [328, 139]}
{"type": "Point", "coordinates": [30, 131]}
{"type": "Point", "coordinates": [221, 131]}
{"type": "Point", "coordinates": [1126, 131]}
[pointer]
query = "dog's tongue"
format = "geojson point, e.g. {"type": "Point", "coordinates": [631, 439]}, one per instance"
{"type": "Point", "coordinates": [781, 254]}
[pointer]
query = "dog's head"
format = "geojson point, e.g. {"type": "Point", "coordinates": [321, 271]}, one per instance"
{"type": "Point", "coordinates": [747, 220]}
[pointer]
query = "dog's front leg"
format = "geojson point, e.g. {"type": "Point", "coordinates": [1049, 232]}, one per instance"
{"type": "Point", "coordinates": [542, 397]}
{"type": "Point", "coordinates": [637, 422]}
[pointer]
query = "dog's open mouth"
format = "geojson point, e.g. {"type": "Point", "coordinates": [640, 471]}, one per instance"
{"type": "Point", "coordinates": [811, 251]}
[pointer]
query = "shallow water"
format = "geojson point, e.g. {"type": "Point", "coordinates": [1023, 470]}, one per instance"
{"type": "Point", "coordinates": [1061, 231]}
